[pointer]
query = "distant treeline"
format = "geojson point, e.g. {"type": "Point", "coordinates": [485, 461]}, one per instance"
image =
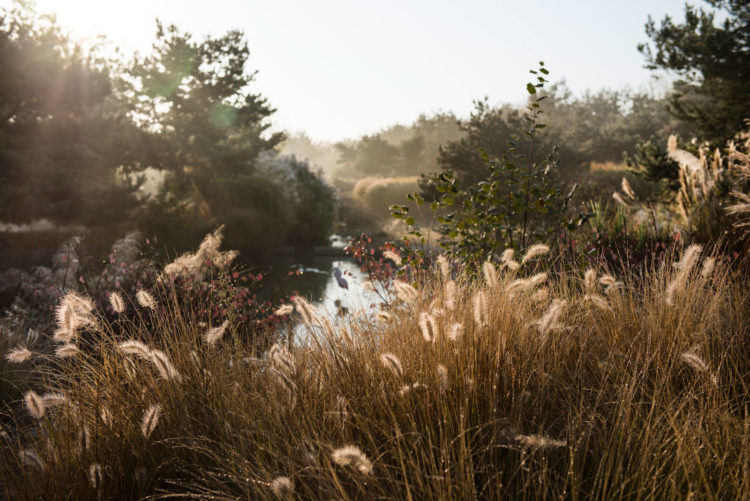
{"type": "Point", "coordinates": [595, 128]}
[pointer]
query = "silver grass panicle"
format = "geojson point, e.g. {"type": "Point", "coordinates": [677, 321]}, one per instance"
{"type": "Point", "coordinates": [685, 267]}
{"type": "Point", "coordinates": [163, 365]}
{"type": "Point", "coordinates": [284, 309]}
{"type": "Point", "coordinates": [30, 458]}
{"type": "Point", "coordinates": [708, 268]}
{"type": "Point", "coordinates": [392, 363]}
{"type": "Point", "coordinates": [18, 355]}
{"type": "Point", "coordinates": [549, 320]}
{"type": "Point", "coordinates": [34, 404]}
{"type": "Point", "coordinates": [214, 334]}
{"type": "Point", "coordinates": [282, 487]}
{"type": "Point", "coordinates": [523, 285]}
{"type": "Point", "coordinates": [444, 265]}
{"type": "Point", "coordinates": [618, 198]}
{"type": "Point", "coordinates": [67, 350]}
{"type": "Point", "coordinates": [540, 441]}
{"type": "Point", "coordinates": [534, 252]}
{"type": "Point", "coordinates": [455, 332]}
{"type": "Point", "coordinates": [117, 302]}
{"type": "Point", "coordinates": [383, 316]}
{"type": "Point", "coordinates": [490, 274]}
{"type": "Point", "coordinates": [280, 358]}
{"type": "Point", "coordinates": [95, 476]}
{"type": "Point", "coordinates": [306, 310]}
{"type": "Point", "coordinates": [589, 280]}
{"type": "Point", "coordinates": [408, 388]}
{"type": "Point", "coordinates": [627, 189]}
{"type": "Point", "coordinates": [442, 374]}
{"type": "Point", "coordinates": [479, 302]}
{"type": "Point", "coordinates": [405, 292]}
{"type": "Point", "coordinates": [350, 455]}
{"type": "Point", "coordinates": [428, 326]}
{"type": "Point", "coordinates": [393, 257]}
{"type": "Point", "coordinates": [134, 347]}
{"type": "Point", "coordinates": [450, 295]}
{"type": "Point", "coordinates": [150, 420]}
{"type": "Point", "coordinates": [145, 299]}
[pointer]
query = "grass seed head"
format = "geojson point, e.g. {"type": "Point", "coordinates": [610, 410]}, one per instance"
{"type": "Point", "coordinates": [535, 251]}
{"type": "Point", "coordinates": [67, 350]}
{"type": "Point", "coordinates": [150, 420]}
{"type": "Point", "coordinates": [282, 487]}
{"type": "Point", "coordinates": [95, 476]}
{"type": "Point", "coordinates": [117, 302]}
{"type": "Point", "coordinates": [35, 404]}
{"type": "Point", "coordinates": [145, 299]}
{"type": "Point", "coordinates": [350, 455]}
{"type": "Point", "coordinates": [214, 334]}
{"type": "Point", "coordinates": [392, 363]}
{"type": "Point", "coordinates": [18, 355]}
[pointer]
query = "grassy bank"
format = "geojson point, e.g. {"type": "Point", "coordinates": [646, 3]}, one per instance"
{"type": "Point", "coordinates": [517, 387]}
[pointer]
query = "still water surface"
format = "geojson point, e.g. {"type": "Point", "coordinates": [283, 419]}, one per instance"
{"type": "Point", "coordinates": [315, 278]}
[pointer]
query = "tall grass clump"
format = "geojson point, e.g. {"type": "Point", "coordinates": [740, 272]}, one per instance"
{"type": "Point", "coordinates": [504, 387]}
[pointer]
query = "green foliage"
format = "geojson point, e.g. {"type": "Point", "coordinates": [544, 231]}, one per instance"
{"type": "Point", "coordinates": [651, 162]}
{"type": "Point", "coordinates": [64, 131]}
{"type": "Point", "coordinates": [511, 207]}
{"type": "Point", "coordinates": [713, 61]}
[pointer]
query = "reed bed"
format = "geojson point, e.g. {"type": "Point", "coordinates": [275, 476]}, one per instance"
{"type": "Point", "coordinates": [514, 385]}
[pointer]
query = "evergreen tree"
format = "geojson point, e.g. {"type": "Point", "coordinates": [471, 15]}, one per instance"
{"type": "Point", "coordinates": [713, 61]}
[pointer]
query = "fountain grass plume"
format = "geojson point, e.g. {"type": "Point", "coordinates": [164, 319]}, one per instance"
{"type": "Point", "coordinates": [68, 350]}
{"type": "Point", "coordinates": [18, 355]}
{"type": "Point", "coordinates": [95, 476]}
{"type": "Point", "coordinates": [306, 310]}
{"type": "Point", "coordinates": [282, 487]}
{"type": "Point", "coordinates": [450, 295]}
{"type": "Point", "coordinates": [351, 455]}
{"type": "Point", "coordinates": [428, 326]}
{"type": "Point", "coordinates": [284, 309]}
{"type": "Point", "coordinates": [479, 303]}
{"type": "Point", "coordinates": [35, 404]}
{"type": "Point", "coordinates": [405, 292]}
{"type": "Point", "coordinates": [393, 257]}
{"type": "Point", "coordinates": [134, 347]}
{"type": "Point", "coordinates": [392, 363]}
{"type": "Point", "coordinates": [490, 274]}
{"type": "Point", "coordinates": [535, 251]}
{"type": "Point", "coordinates": [151, 419]}
{"type": "Point", "coordinates": [117, 302]}
{"type": "Point", "coordinates": [214, 334]}
{"type": "Point", "coordinates": [145, 299]}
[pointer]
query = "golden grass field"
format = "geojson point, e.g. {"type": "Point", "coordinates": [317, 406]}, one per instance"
{"type": "Point", "coordinates": [517, 385]}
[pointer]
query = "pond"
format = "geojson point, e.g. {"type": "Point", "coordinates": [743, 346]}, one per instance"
{"type": "Point", "coordinates": [332, 283]}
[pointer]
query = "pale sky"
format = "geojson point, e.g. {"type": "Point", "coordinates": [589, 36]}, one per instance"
{"type": "Point", "coordinates": [342, 68]}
